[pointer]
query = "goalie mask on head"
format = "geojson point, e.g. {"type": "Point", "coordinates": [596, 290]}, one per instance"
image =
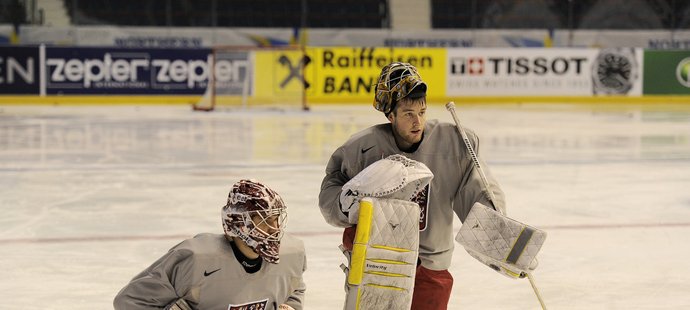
{"type": "Point", "coordinates": [395, 176]}
{"type": "Point", "coordinates": [398, 80]}
{"type": "Point", "coordinates": [256, 214]}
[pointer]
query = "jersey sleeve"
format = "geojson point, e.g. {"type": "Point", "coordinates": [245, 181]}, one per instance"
{"type": "Point", "coordinates": [472, 187]}
{"type": "Point", "coordinates": [296, 299]}
{"type": "Point", "coordinates": [153, 288]}
{"type": "Point", "coordinates": [329, 196]}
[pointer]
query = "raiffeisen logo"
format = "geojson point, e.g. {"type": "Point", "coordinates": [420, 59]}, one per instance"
{"type": "Point", "coordinates": [683, 72]}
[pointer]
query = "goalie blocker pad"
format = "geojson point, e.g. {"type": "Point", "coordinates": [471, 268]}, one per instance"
{"type": "Point", "coordinates": [503, 244]}
{"type": "Point", "coordinates": [384, 255]}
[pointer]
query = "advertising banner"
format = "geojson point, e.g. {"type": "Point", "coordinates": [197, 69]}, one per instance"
{"type": "Point", "coordinates": [543, 72]}
{"type": "Point", "coordinates": [19, 70]}
{"type": "Point", "coordinates": [280, 74]}
{"type": "Point", "coordinates": [350, 74]}
{"type": "Point", "coordinates": [667, 72]}
{"type": "Point", "coordinates": [126, 71]}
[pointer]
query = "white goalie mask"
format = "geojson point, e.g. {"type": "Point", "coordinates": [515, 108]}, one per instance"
{"type": "Point", "coordinates": [257, 215]}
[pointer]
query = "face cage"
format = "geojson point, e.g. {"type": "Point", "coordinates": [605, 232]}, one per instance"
{"type": "Point", "coordinates": [265, 225]}
{"type": "Point", "coordinates": [408, 80]}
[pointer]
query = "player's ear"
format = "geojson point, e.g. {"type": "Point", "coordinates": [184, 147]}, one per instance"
{"type": "Point", "coordinates": [390, 116]}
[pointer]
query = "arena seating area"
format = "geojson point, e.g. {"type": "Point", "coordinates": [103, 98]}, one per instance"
{"type": "Point", "coordinates": [574, 14]}
{"type": "Point", "coordinates": [232, 13]}
{"type": "Point", "coordinates": [376, 14]}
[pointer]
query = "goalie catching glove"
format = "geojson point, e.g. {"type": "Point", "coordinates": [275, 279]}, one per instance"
{"type": "Point", "coordinates": [395, 176]}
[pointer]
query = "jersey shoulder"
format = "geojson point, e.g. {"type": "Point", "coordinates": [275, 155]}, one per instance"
{"type": "Point", "coordinates": [290, 244]}
{"type": "Point", "coordinates": [202, 244]}
{"type": "Point", "coordinates": [368, 134]}
{"type": "Point", "coordinates": [444, 129]}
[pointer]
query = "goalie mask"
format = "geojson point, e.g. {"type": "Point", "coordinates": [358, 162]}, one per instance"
{"type": "Point", "coordinates": [255, 214]}
{"type": "Point", "coordinates": [398, 80]}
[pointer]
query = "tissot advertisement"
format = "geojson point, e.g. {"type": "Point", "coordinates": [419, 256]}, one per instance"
{"type": "Point", "coordinates": [543, 72]}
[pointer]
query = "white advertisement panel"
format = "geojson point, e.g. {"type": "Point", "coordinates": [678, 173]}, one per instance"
{"type": "Point", "coordinates": [544, 72]}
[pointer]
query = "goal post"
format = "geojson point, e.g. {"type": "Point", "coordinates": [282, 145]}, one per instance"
{"type": "Point", "coordinates": [256, 77]}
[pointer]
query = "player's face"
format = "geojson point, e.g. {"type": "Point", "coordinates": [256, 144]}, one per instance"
{"type": "Point", "coordinates": [408, 121]}
{"type": "Point", "coordinates": [267, 225]}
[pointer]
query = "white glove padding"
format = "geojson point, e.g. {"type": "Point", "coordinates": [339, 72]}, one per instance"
{"type": "Point", "coordinates": [395, 176]}
{"type": "Point", "coordinates": [504, 244]}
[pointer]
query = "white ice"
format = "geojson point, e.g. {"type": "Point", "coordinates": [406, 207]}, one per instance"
{"type": "Point", "coordinates": [91, 195]}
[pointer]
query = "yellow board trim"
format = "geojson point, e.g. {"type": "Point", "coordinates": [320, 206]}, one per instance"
{"type": "Point", "coordinates": [432, 100]}
{"type": "Point", "coordinates": [100, 100]}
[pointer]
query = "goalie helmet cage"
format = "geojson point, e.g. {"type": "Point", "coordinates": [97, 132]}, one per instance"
{"type": "Point", "coordinates": [250, 77]}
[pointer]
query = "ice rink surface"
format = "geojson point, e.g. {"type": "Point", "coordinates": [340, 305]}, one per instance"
{"type": "Point", "coordinates": [92, 195]}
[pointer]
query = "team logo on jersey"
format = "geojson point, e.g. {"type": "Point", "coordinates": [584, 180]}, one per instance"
{"type": "Point", "coordinates": [422, 199]}
{"type": "Point", "coordinates": [252, 305]}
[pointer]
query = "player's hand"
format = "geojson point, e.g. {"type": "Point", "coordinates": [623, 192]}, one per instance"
{"type": "Point", "coordinates": [285, 307]}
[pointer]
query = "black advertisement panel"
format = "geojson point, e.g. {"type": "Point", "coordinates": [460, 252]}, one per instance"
{"type": "Point", "coordinates": [19, 72]}
{"type": "Point", "coordinates": [128, 71]}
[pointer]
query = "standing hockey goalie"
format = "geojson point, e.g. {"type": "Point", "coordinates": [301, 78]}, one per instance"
{"type": "Point", "coordinates": [383, 259]}
{"type": "Point", "coordinates": [253, 265]}
{"type": "Point", "coordinates": [456, 186]}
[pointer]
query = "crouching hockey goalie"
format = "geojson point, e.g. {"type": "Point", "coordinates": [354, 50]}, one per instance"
{"type": "Point", "coordinates": [383, 260]}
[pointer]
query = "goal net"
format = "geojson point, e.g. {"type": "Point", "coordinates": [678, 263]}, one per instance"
{"type": "Point", "coordinates": [255, 77]}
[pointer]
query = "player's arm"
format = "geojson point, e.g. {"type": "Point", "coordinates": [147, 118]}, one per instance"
{"type": "Point", "coordinates": [296, 299]}
{"type": "Point", "coordinates": [472, 189]}
{"type": "Point", "coordinates": [329, 196]}
{"type": "Point", "coordinates": [152, 288]}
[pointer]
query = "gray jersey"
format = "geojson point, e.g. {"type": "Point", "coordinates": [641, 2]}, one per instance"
{"type": "Point", "coordinates": [204, 271]}
{"type": "Point", "coordinates": [456, 185]}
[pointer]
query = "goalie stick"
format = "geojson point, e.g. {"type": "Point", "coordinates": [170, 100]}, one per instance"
{"type": "Point", "coordinates": [450, 106]}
